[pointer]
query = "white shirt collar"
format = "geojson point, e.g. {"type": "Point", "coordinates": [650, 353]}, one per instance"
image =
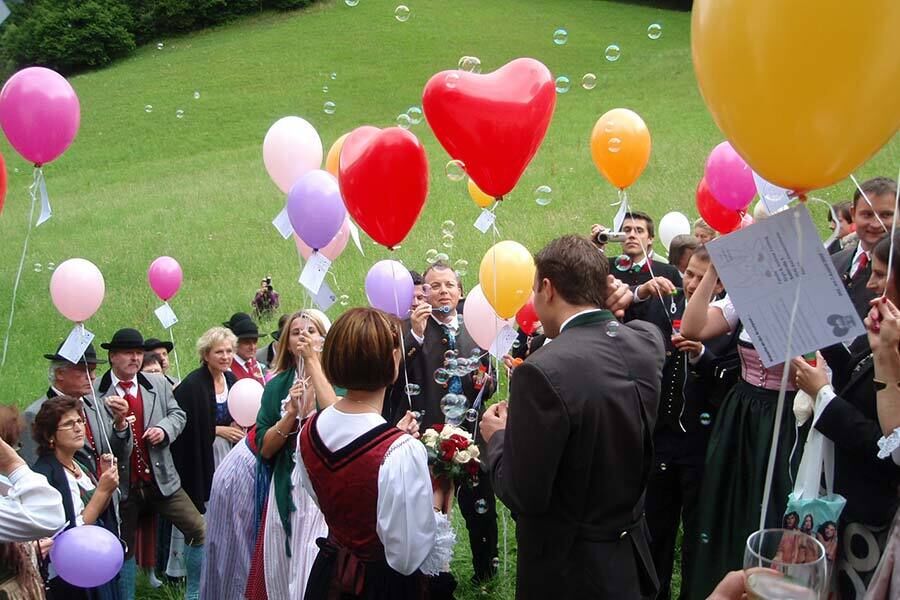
{"type": "Point", "coordinates": [578, 314]}
{"type": "Point", "coordinates": [116, 381]}
{"type": "Point", "coordinates": [859, 250]}
{"type": "Point", "coordinates": [452, 323]}
{"type": "Point", "coordinates": [240, 361]}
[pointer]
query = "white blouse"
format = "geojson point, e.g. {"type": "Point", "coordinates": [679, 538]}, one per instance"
{"type": "Point", "coordinates": [75, 486]}
{"type": "Point", "coordinates": [30, 508]}
{"type": "Point", "coordinates": [731, 317]}
{"type": "Point", "coordinates": [415, 537]}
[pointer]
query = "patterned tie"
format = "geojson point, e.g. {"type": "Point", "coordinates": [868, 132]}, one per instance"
{"type": "Point", "coordinates": [253, 369]}
{"type": "Point", "coordinates": [862, 263]}
{"type": "Point", "coordinates": [455, 383]}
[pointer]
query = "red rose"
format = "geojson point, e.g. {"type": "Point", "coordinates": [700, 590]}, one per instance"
{"type": "Point", "coordinates": [448, 446]}
{"type": "Point", "coordinates": [461, 442]}
{"type": "Point", "coordinates": [473, 468]}
{"type": "Point", "coordinates": [447, 456]}
{"type": "Point", "coordinates": [439, 427]}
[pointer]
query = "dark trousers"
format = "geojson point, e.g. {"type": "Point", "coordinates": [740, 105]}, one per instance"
{"type": "Point", "coordinates": [177, 508]}
{"type": "Point", "coordinates": [673, 494]}
{"type": "Point", "coordinates": [479, 508]}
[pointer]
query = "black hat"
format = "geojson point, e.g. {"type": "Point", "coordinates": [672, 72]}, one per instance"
{"type": "Point", "coordinates": [125, 339]}
{"type": "Point", "coordinates": [243, 326]}
{"type": "Point", "coordinates": [89, 357]}
{"type": "Point", "coordinates": [151, 344]}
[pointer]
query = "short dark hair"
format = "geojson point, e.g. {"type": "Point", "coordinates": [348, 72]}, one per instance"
{"type": "Point", "coordinates": [701, 253]}
{"type": "Point", "coordinates": [438, 266]}
{"type": "Point", "coordinates": [46, 421]}
{"type": "Point", "coordinates": [679, 245]}
{"type": "Point", "coordinates": [416, 277]}
{"type": "Point", "coordinates": [151, 358]}
{"type": "Point", "coordinates": [636, 214]}
{"type": "Point", "coordinates": [882, 251]}
{"type": "Point", "coordinates": [358, 352]}
{"type": "Point", "coordinates": [841, 209]}
{"type": "Point", "coordinates": [877, 186]}
{"type": "Point", "coordinates": [576, 268]}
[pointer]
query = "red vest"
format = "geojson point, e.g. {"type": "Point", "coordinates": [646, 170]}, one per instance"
{"type": "Point", "coordinates": [140, 455]}
{"type": "Point", "coordinates": [346, 485]}
{"type": "Point", "coordinates": [241, 373]}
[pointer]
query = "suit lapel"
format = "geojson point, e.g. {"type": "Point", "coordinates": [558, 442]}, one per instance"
{"type": "Point", "coordinates": [148, 395]}
{"type": "Point", "coordinates": [860, 372]}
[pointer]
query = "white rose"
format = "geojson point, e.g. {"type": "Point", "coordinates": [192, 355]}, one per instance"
{"type": "Point", "coordinates": [474, 451]}
{"type": "Point", "coordinates": [462, 457]}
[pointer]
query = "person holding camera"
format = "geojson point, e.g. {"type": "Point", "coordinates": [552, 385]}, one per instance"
{"type": "Point", "coordinates": [637, 244]}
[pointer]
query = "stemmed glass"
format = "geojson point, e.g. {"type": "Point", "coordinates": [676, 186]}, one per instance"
{"type": "Point", "coordinates": [785, 564]}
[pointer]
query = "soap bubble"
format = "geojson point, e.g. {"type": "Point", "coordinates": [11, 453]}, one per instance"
{"type": "Point", "coordinates": [415, 115]}
{"type": "Point", "coordinates": [452, 80]}
{"type": "Point", "coordinates": [562, 84]}
{"type": "Point", "coordinates": [148, 108]}
{"type": "Point", "coordinates": [401, 13]}
{"type": "Point", "coordinates": [431, 256]}
{"type": "Point", "coordinates": [344, 300]}
{"type": "Point", "coordinates": [704, 538]}
{"type": "Point", "coordinates": [455, 170]}
{"type": "Point", "coordinates": [471, 415]}
{"type": "Point", "coordinates": [351, 3]}
{"type": "Point", "coordinates": [179, 114]}
{"type": "Point", "coordinates": [560, 37]}
{"type": "Point", "coordinates": [441, 376]}
{"type": "Point", "coordinates": [196, 95]}
{"type": "Point", "coordinates": [333, 75]}
{"type": "Point", "coordinates": [654, 31]}
{"type": "Point", "coordinates": [612, 328]}
{"type": "Point", "coordinates": [450, 355]}
{"type": "Point", "coordinates": [614, 145]}
{"type": "Point", "coordinates": [38, 267]}
{"type": "Point", "coordinates": [589, 81]}
{"type": "Point", "coordinates": [705, 419]}
{"type": "Point", "coordinates": [447, 240]}
{"type": "Point", "coordinates": [481, 506]}
{"type": "Point", "coordinates": [613, 53]}
{"type": "Point", "coordinates": [624, 263]}
{"type": "Point", "coordinates": [403, 121]}
{"type": "Point", "coordinates": [461, 267]}
{"type": "Point", "coordinates": [159, 45]}
{"type": "Point", "coordinates": [329, 108]}
{"type": "Point", "coordinates": [442, 257]}
{"type": "Point", "coordinates": [542, 195]}
{"type": "Point", "coordinates": [413, 389]}
{"type": "Point", "coordinates": [324, 89]}
{"type": "Point", "coordinates": [470, 64]}
{"type": "Point", "coordinates": [454, 408]}
{"type": "Point", "coordinates": [448, 226]}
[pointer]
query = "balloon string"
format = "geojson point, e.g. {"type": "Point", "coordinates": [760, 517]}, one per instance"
{"type": "Point", "coordinates": [32, 190]}
{"type": "Point", "coordinates": [893, 231]}
{"type": "Point", "coordinates": [869, 202]}
{"type": "Point", "coordinates": [104, 434]}
{"type": "Point", "coordinates": [401, 336]}
{"type": "Point", "coordinates": [782, 390]}
{"type": "Point", "coordinates": [175, 353]}
{"type": "Point", "coordinates": [649, 263]}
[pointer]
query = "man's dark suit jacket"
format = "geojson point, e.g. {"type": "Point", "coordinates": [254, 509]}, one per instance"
{"type": "Point", "coordinates": [642, 275]}
{"type": "Point", "coordinates": [574, 461]}
{"type": "Point", "coordinates": [856, 286]}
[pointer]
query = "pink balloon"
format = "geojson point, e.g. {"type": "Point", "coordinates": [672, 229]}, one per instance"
{"type": "Point", "coordinates": [334, 248]}
{"type": "Point", "coordinates": [165, 277]}
{"type": "Point", "coordinates": [729, 178]}
{"type": "Point", "coordinates": [481, 320]}
{"type": "Point", "coordinates": [77, 289]}
{"type": "Point", "coordinates": [291, 148]}
{"type": "Point", "coordinates": [39, 113]}
{"type": "Point", "coordinates": [244, 400]}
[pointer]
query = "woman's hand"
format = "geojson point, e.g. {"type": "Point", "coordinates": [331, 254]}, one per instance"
{"type": "Point", "coordinates": [306, 346]}
{"type": "Point", "coordinates": [44, 545]}
{"type": "Point", "coordinates": [109, 481]}
{"type": "Point", "coordinates": [232, 434]}
{"type": "Point", "coordinates": [810, 378]}
{"type": "Point", "coordinates": [296, 395]}
{"type": "Point", "coordinates": [409, 424]}
{"type": "Point", "coordinates": [883, 326]}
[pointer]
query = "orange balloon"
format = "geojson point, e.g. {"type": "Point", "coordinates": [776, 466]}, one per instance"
{"type": "Point", "coordinates": [620, 146]}
{"type": "Point", "coordinates": [478, 197]}
{"type": "Point", "coordinates": [333, 160]}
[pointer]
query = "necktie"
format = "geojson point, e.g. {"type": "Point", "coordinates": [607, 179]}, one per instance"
{"type": "Point", "coordinates": [253, 369]}
{"type": "Point", "coordinates": [455, 383]}
{"type": "Point", "coordinates": [127, 385]}
{"type": "Point", "coordinates": [863, 262]}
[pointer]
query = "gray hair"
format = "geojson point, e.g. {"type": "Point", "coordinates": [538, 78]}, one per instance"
{"type": "Point", "coordinates": [213, 336]}
{"type": "Point", "coordinates": [54, 367]}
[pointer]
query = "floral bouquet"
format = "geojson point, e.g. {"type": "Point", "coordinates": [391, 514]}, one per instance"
{"type": "Point", "coordinates": [452, 454]}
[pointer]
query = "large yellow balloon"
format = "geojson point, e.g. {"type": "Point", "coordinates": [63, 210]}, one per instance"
{"type": "Point", "coordinates": [620, 146]}
{"type": "Point", "coordinates": [333, 160]}
{"type": "Point", "coordinates": [805, 90]}
{"type": "Point", "coordinates": [478, 197]}
{"type": "Point", "coordinates": [507, 276]}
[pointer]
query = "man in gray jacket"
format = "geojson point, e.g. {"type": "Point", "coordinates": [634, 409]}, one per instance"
{"type": "Point", "coordinates": [155, 421]}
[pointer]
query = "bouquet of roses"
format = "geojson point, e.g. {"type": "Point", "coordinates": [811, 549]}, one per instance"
{"type": "Point", "coordinates": [452, 453]}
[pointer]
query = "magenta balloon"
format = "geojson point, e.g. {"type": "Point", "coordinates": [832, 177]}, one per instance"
{"type": "Point", "coordinates": [315, 208]}
{"type": "Point", "coordinates": [165, 277]}
{"type": "Point", "coordinates": [39, 113]}
{"type": "Point", "coordinates": [87, 556]}
{"type": "Point", "coordinates": [334, 248]}
{"type": "Point", "coordinates": [729, 178]}
{"type": "Point", "coordinates": [389, 287]}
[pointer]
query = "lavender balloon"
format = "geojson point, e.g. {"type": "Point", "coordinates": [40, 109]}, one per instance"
{"type": "Point", "coordinates": [87, 556]}
{"type": "Point", "coordinates": [389, 287]}
{"type": "Point", "coordinates": [315, 208]}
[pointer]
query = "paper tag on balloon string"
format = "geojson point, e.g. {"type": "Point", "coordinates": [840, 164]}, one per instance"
{"type": "Point", "coordinates": [314, 272]}
{"type": "Point", "coordinates": [75, 345]}
{"type": "Point", "coordinates": [325, 299]}
{"type": "Point", "coordinates": [283, 224]}
{"type": "Point", "coordinates": [46, 211]}
{"type": "Point", "coordinates": [354, 233]}
{"type": "Point", "coordinates": [503, 342]}
{"type": "Point", "coordinates": [166, 315]}
{"type": "Point", "coordinates": [485, 220]}
{"type": "Point", "coordinates": [774, 198]}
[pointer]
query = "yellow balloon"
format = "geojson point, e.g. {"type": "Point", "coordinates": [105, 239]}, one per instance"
{"type": "Point", "coordinates": [507, 276]}
{"type": "Point", "coordinates": [478, 197]}
{"type": "Point", "coordinates": [805, 90]}
{"type": "Point", "coordinates": [333, 160]}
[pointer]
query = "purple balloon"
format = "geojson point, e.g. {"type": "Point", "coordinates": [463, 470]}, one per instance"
{"type": "Point", "coordinates": [165, 277]}
{"type": "Point", "coordinates": [389, 287]}
{"type": "Point", "coordinates": [729, 178]}
{"type": "Point", "coordinates": [315, 208]}
{"type": "Point", "coordinates": [39, 113]}
{"type": "Point", "coordinates": [87, 556]}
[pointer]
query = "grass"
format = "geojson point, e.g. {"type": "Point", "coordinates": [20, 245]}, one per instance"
{"type": "Point", "coordinates": [137, 185]}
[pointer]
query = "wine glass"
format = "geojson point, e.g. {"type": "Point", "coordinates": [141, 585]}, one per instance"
{"type": "Point", "coordinates": [785, 564]}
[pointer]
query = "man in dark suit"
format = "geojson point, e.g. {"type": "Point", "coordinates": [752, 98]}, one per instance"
{"type": "Point", "coordinates": [245, 365]}
{"type": "Point", "coordinates": [640, 267]}
{"type": "Point", "coordinates": [432, 330]}
{"type": "Point", "coordinates": [872, 221]}
{"type": "Point", "coordinates": [574, 457]}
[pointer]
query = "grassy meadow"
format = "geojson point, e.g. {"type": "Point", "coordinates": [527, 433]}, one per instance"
{"type": "Point", "coordinates": [139, 183]}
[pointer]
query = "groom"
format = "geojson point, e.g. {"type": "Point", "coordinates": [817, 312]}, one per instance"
{"type": "Point", "coordinates": [572, 453]}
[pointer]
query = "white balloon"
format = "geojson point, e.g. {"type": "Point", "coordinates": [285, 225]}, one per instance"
{"type": "Point", "coordinates": [291, 148]}
{"type": "Point", "coordinates": [672, 224]}
{"type": "Point", "coordinates": [244, 401]}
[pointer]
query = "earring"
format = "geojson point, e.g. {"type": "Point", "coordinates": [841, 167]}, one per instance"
{"type": "Point", "coordinates": [51, 443]}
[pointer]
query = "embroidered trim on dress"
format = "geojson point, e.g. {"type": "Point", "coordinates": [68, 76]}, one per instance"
{"type": "Point", "coordinates": [888, 444]}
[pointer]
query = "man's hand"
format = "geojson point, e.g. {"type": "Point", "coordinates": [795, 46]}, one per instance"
{"type": "Point", "coordinates": [155, 435]}
{"type": "Point", "coordinates": [685, 345]}
{"type": "Point", "coordinates": [120, 409]}
{"type": "Point", "coordinates": [493, 420]}
{"type": "Point", "coordinates": [597, 228]}
{"type": "Point", "coordinates": [618, 296]}
{"type": "Point", "coordinates": [655, 287]}
{"type": "Point", "coordinates": [419, 318]}
{"type": "Point", "coordinates": [9, 460]}
{"type": "Point", "coordinates": [510, 362]}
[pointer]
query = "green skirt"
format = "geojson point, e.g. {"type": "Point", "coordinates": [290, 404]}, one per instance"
{"type": "Point", "coordinates": [735, 475]}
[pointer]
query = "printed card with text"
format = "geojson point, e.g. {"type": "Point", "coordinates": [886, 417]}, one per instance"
{"type": "Point", "coordinates": [314, 272]}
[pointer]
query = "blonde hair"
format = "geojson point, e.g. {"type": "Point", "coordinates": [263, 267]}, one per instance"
{"type": "Point", "coordinates": [284, 358]}
{"type": "Point", "coordinates": [212, 337]}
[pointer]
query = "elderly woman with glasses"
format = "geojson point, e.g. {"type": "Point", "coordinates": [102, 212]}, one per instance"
{"type": "Point", "coordinates": [58, 430]}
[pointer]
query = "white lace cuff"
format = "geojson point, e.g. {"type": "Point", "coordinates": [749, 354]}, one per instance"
{"type": "Point", "coordinates": [888, 444]}
{"type": "Point", "coordinates": [438, 560]}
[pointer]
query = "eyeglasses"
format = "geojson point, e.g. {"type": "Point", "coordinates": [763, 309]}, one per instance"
{"type": "Point", "coordinates": [70, 424]}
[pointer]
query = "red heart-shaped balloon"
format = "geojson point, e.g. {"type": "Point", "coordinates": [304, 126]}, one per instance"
{"type": "Point", "coordinates": [384, 181]}
{"type": "Point", "coordinates": [493, 123]}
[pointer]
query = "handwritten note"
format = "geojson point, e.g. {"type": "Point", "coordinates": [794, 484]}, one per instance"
{"type": "Point", "coordinates": [75, 345]}
{"type": "Point", "coordinates": [313, 273]}
{"type": "Point", "coordinates": [283, 224]}
{"type": "Point", "coordinates": [762, 268]}
{"type": "Point", "coordinates": [503, 342]}
{"type": "Point", "coordinates": [166, 315]}
{"type": "Point", "coordinates": [485, 221]}
{"type": "Point", "coordinates": [325, 299]}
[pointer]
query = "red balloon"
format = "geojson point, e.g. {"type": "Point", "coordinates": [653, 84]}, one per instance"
{"type": "Point", "coordinates": [721, 218]}
{"type": "Point", "coordinates": [384, 181]}
{"type": "Point", "coordinates": [493, 123]}
{"type": "Point", "coordinates": [2, 183]}
{"type": "Point", "coordinates": [527, 317]}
